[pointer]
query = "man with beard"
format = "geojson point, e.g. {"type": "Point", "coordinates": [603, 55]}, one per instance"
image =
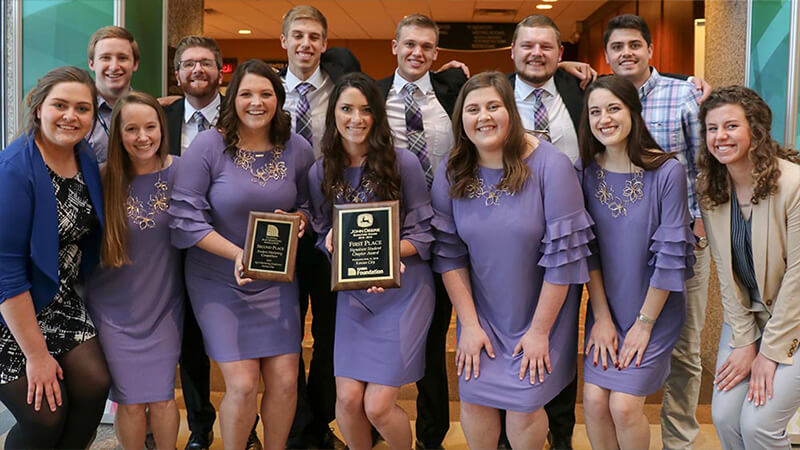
{"type": "Point", "coordinates": [198, 71]}
{"type": "Point", "coordinates": [113, 57]}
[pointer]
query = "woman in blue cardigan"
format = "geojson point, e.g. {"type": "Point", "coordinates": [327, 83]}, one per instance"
{"type": "Point", "coordinates": [53, 377]}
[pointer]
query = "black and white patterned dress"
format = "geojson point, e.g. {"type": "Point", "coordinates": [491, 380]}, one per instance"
{"type": "Point", "coordinates": [64, 322]}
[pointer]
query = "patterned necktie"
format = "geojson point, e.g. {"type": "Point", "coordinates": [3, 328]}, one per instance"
{"type": "Point", "coordinates": [540, 121]}
{"type": "Point", "coordinates": [415, 133]}
{"type": "Point", "coordinates": [200, 120]}
{"type": "Point", "coordinates": [303, 113]}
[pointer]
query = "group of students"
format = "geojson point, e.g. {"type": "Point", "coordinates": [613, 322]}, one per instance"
{"type": "Point", "coordinates": [515, 192]}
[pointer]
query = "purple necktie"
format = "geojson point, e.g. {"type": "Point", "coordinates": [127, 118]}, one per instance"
{"type": "Point", "coordinates": [540, 121]}
{"type": "Point", "coordinates": [200, 120]}
{"type": "Point", "coordinates": [415, 132]}
{"type": "Point", "coordinates": [302, 124]}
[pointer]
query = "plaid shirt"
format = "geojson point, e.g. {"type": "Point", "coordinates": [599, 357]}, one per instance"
{"type": "Point", "coordinates": [670, 109]}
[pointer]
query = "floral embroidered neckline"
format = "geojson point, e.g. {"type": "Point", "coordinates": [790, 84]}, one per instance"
{"type": "Point", "coordinates": [156, 204]}
{"type": "Point", "coordinates": [275, 169]}
{"type": "Point", "coordinates": [632, 193]}
{"type": "Point", "coordinates": [491, 196]}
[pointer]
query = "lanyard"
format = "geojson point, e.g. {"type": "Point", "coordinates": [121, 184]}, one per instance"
{"type": "Point", "coordinates": [102, 122]}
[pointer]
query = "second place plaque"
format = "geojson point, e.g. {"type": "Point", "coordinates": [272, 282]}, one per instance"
{"type": "Point", "coordinates": [270, 248]}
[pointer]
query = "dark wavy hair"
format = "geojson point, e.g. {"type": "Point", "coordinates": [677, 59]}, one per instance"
{"type": "Point", "coordinates": [713, 185]}
{"type": "Point", "coordinates": [281, 124]}
{"type": "Point", "coordinates": [380, 167]}
{"type": "Point", "coordinates": [117, 175]}
{"type": "Point", "coordinates": [462, 165]}
{"type": "Point", "coordinates": [643, 150]}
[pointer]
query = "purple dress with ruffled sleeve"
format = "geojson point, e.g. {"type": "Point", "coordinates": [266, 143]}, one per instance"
{"type": "Point", "coordinates": [648, 244]}
{"type": "Point", "coordinates": [138, 308]}
{"type": "Point", "coordinates": [511, 244]}
{"type": "Point", "coordinates": [211, 192]}
{"type": "Point", "coordinates": [380, 338]}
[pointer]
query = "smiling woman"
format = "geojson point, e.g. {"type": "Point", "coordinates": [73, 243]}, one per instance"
{"type": "Point", "coordinates": [52, 370]}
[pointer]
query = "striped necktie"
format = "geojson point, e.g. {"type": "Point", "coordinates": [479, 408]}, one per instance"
{"type": "Point", "coordinates": [200, 120]}
{"type": "Point", "coordinates": [303, 113]}
{"type": "Point", "coordinates": [540, 121]}
{"type": "Point", "coordinates": [415, 132]}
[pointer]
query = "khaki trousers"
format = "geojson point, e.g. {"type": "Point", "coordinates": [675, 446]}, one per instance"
{"type": "Point", "coordinates": [679, 426]}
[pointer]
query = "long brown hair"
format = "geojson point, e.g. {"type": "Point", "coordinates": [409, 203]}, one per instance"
{"type": "Point", "coordinates": [643, 150]}
{"type": "Point", "coordinates": [117, 175]}
{"type": "Point", "coordinates": [462, 165]}
{"type": "Point", "coordinates": [713, 185]}
{"type": "Point", "coordinates": [280, 125]}
{"type": "Point", "coordinates": [380, 166]}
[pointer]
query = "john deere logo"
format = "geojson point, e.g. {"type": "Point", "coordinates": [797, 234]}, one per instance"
{"type": "Point", "coordinates": [364, 220]}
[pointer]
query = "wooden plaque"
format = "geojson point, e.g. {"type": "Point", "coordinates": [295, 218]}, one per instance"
{"type": "Point", "coordinates": [366, 246]}
{"type": "Point", "coordinates": [270, 248]}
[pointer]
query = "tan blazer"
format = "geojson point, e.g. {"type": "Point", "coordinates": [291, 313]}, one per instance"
{"type": "Point", "coordinates": [776, 259]}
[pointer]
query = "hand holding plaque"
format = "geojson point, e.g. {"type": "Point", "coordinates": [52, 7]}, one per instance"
{"type": "Point", "coordinates": [366, 246]}
{"type": "Point", "coordinates": [270, 248]}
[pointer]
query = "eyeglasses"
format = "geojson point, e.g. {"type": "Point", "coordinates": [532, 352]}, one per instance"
{"type": "Point", "coordinates": [204, 63]}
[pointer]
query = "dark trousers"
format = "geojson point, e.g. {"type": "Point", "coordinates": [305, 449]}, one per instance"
{"type": "Point", "coordinates": [316, 398]}
{"type": "Point", "coordinates": [433, 402]}
{"type": "Point", "coordinates": [195, 376]}
{"type": "Point", "coordinates": [561, 412]}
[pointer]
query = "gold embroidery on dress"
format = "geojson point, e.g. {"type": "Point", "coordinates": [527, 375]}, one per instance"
{"type": "Point", "coordinates": [273, 170]}
{"type": "Point", "coordinates": [477, 189]}
{"type": "Point", "coordinates": [158, 203]}
{"type": "Point", "coordinates": [633, 192]}
{"type": "Point", "coordinates": [350, 195]}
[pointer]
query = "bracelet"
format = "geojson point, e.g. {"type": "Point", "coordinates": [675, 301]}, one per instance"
{"type": "Point", "coordinates": [645, 319]}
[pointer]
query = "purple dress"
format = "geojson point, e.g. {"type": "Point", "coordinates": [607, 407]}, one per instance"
{"type": "Point", "coordinates": [380, 338]}
{"type": "Point", "coordinates": [650, 244]}
{"type": "Point", "coordinates": [211, 192]}
{"type": "Point", "coordinates": [138, 308]}
{"type": "Point", "coordinates": [511, 245]}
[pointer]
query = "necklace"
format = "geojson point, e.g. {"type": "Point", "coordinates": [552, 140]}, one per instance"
{"type": "Point", "coordinates": [158, 203]}
{"type": "Point", "coordinates": [477, 189]}
{"type": "Point", "coordinates": [359, 195]}
{"type": "Point", "coordinates": [273, 170]}
{"type": "Point", "coordinates": [632, 192]}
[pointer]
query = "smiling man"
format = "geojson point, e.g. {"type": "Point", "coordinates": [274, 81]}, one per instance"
{"type": "Point", "coordinates": [419, 104]}
{"type": "Point", "coordinates": [113, 57]}
{"type": "Point", "coordinates": [670, 108]}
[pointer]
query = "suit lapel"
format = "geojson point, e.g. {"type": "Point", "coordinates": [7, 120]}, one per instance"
{"type": "Point", "coordinates": [760, 227]}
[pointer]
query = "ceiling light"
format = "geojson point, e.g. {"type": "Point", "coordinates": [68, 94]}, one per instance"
{"type": "Point", "coordinates": [245, 31]}
{"type": "Point", "coordinates": [544, 6]}
{"type": "Point", "coordinates": [549, 1]}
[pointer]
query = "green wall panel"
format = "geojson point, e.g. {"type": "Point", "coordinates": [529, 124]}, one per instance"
{"type": "Point", "coordinates": [144, 19]}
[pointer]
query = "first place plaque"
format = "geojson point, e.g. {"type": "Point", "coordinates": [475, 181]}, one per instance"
{"type": "Point", "coordinates": [366, 246]}
{"type": "Point", "coordinates": [270, 247]}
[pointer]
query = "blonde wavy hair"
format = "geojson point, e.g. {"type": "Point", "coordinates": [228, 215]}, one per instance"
{"type": "Point", "coordinates": [713, 185]}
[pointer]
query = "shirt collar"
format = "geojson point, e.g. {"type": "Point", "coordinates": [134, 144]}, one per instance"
{"type": "Point", "coordinates": [423, 83]}
{"type": "Point", "coordinates": [650, 84]}
{"type": "Point", "coordinates": [316, 79]}
{"type": "Point", "coordinates": [102, 104]}
{"type": "Point", "coordinates": [210, 111]}
{"type": "Point", "coordinates": [523, 90]}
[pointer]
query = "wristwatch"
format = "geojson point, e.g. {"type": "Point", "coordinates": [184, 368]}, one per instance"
{"type": "Point", "coordinates": [702, 242]}
{"type": "Point", "coordinates": [646, 320]}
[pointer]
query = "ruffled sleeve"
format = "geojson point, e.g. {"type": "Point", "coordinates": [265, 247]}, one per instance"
{"type": "Point", "coordinates": [449, 251]}
{"type": "Point", "coordinates": [189, 210]}
{"type": "Point", "coordinates": [303, 159]}
{"type": "Point", "coordinates": [672, 244]}
{"type": "Point", "coordinates": [321, 213]}
{"type": "Point", "coordinates": [416, 226]}
{"type": "Point", "coordinates": [568, 227]}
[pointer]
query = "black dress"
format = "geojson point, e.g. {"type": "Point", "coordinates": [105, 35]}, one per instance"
{"type": "Point", "coordinates": [65, 322]}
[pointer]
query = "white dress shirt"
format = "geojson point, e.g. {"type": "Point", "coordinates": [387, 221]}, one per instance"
{"type": "Point", "coordinates": [189, 129]}
{"type": "Point", "coordinates": [435, 121]}
{"type": "Point", "coordinates": [317, 100]}
{"type": "Point", "coordinates": [562, 131]}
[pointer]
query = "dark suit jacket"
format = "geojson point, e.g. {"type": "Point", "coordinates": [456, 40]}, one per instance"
{"type": "Point", "coordinates": [446, 86]}
{"type": "Point", "coordinates": [569, 89]}
{"type": "Point", "coordinates": [174, 114]}
{"type": "Point", "coordinates": [336, 62]}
